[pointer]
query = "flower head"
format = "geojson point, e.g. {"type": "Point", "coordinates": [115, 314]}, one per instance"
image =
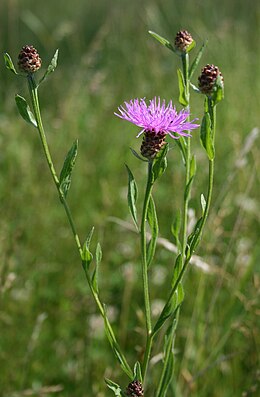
{"type": "Point", "coordinates": [208, 79]}
{"type": "Point", "coordinates": [135, 389]}
{"type": "Point", "coordinates": [157, 118]}
{"type": "Point", "coordinates": [29, 60]}
{"type": "Point", "coordinates": [183, 40]}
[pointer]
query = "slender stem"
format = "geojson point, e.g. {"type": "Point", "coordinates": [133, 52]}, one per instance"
{"type": "Point", "coordinates": [36, 108]}
{"type": "Point", "coordinates": [145, 269]}
{"type": "Point", "coordinates": [185, 67]}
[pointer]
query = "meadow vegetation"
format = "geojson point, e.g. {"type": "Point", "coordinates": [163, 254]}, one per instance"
{"type": "Point", "coordinates": [51, 338]}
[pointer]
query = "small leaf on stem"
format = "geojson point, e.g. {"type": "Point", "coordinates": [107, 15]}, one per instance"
{"type": "Point", "coordinates": [206, 136]}
{"type": "Point", "coordinates": [162, 40]}
{"type": "Point", "coordinates": [69, 162]}
{"type": "Point", "coordinates": [182, 89]}
{"type": "Point", "coordinates": [9, 63]}
{"type": "Point", "coordinates": [153, 223]}
{"type": "Point", "coordinates": [197, 59]}
{"type": "Point", "coordinates": [160, 162]}
{"type": "Point", "coordinates": [138, 372]}
{"type": "Point", "coordinates": [132, 196]}
{"type": "Point", "coordinates": [24, 110]}
{"type": "Point", "coordinates": [96, 270]}
{"type": "Point", "coordinates": [113, 386]}
{"type": "Point", "coordinates": [52, 66]}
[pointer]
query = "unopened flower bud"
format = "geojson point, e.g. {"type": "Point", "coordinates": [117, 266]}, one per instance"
{"type": "Point", "coordinates": [152, 143]}
{"type": "Point", "coordinates": [29, 60]}
{"type": "Point", "coordinates": [208, 79]}
{"type": "Point", "coordinates": [135, 389]}
{"type": "Point", "coordinates": [183, 40]}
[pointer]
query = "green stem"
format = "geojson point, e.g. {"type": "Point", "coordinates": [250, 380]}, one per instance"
{"type": "Point", "coordinates": [33, 89]}
{"type": "Point", "coordinates": [185, 67]}
{"type": "Point", "coordinates": [145, 270]}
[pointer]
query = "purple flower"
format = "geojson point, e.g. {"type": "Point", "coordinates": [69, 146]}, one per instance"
{"type": "Point", "coordinates": [157, 118]}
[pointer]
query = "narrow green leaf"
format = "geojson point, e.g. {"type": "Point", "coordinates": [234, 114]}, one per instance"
{"type": "Point", "coordinates": [86, 257]}
{"type": "Point", "coordinates": [191, 46]}
{"type": "Point", "coordinates": [113, 386]}
{"type": "Point", "coordinates": [176, 227]}
{"type": "Point", "coordinates": [69, 162]}
{"type": "Point", "coordinates": [115, 347]}
{"type": "Point", "coordinates": [132, 196]}
{"type": "Point", "coordinates": [177, 269]}
{"type": "Point", "coordinates": [195, 88]}
{"type": "Point", "coordinates": [168, 310]}
{"type": "Point", "coordinates": [182, 146]}
{"type": "Point", "coordinates": [153, 223]}
{"type": "Point", "coordinates": [206, 136]}
{"type": "Point", "coordinates": [193, 167]}
{"type": "Point", "coordinates": [160, 162]}
{"type": "Point", "coordinates": [52, 66]}
{"type": "Point", "coordinates": [194, 238]}
{"type": "Point", "coordinates": [138, 156]}
{"type": "Point", "coordinates": [197, 59]}
{"type": "Point", "coordinates": [203, 202]}
{"type": "Point", "coordinates": [9, 63]}
{"type": "Point", "coordinates": [24, 110]}
{"type": "Point", "coordinates": [218, 93]}
{"type": "Point", "coordinates": [182, 90]}
{"type": "Point", "coordinates": [86, 254]}
{"type": "Point", "coordinates": [138, 372]}
{"type": "Point", "coordinates": [188, 188]}
{"type": "Point", "coordinates": [96, 270]}
{"type": "Point", "coordinates": [162, 40]}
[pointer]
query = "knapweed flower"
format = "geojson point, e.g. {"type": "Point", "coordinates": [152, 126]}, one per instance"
{"type": "Point", "coordinates": [183, 40]}
{"type": "Point", "coordinates": [208, 79]}
{"type": "Point", "coordinates": [156, 120]}
{"type": "Point", "coordinates": [29, 60]}
{"type": "Point", "coordinates": [135, 389]}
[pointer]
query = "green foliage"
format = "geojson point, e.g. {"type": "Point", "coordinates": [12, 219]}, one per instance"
{"type": "Point", "coordinates": [69, 163]}
{"type": "Point", "coordinates": [52, 66]}
{"type": "Point", "coordinates": [9, 63]}
{"type": "Point", "coordinates": [132, 196]}
{"type": "Point", "coordinates": [24, 110]}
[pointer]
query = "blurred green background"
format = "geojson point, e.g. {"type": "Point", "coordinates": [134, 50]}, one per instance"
{"type": "Point", "coordinates": [51, 337]}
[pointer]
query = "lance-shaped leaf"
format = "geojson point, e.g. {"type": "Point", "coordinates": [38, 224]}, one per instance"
{"type": "Point", "coordinates": [202, 202]}
{"type": "Point", "coordinates": [197, 59]}
{"type": "Point", "coordinates": [132, 196]}
{"type": "Point", "coordinates": [9, 63]}
{"type": "Point", "coordinates": [86, 254]}
{"type": "Point", "coordinates": [206, 136]}
{"type": "Point", "coordinates": [96, 270]}
{"type": "Point", "coordinates": [138, 156]}
{"type": "Point", "coordinates": [69, 162]}
{"type": "Point", "coordinates": [153, 223]}
{"type": "Point", "coordinates": [177, 269]}
{"type": "Point", "coordinates": [113, 386]}
{"type": "Point", "coordinates": [218, 93]}
{"type": "Point", "coordinates": [115, 347]}
{"type": "Point", "coordinates": [24, 110]}
{"type": "Point", "coordinates": [160, 162]}
{"type": "Point", "coordinates": [172, 304]}
{"type": "Point", "coordinates": [182, 89]}
{"type": "Point", "coordinates": [162, 40]}
{"type": "Point", "coordinates": [194, 238]}
{"type": "Point", "coordinates": [52, 66]}
{"type": "Point", "coordinates": [138, 372]}
{"type": "Point", "coordinates": [192, 174]}
{"type": "Point", "coordinates": [176, 227]}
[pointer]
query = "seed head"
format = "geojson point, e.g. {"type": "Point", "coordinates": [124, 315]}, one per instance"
{"type": "Point", "coordinates": [29, 60]}
{"type": "Point", "coordinates": [208, 79]}
{"type": "Point", "coordinates": [183, 40]}
{"type": "Point", "coordinates": [135, 389]}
